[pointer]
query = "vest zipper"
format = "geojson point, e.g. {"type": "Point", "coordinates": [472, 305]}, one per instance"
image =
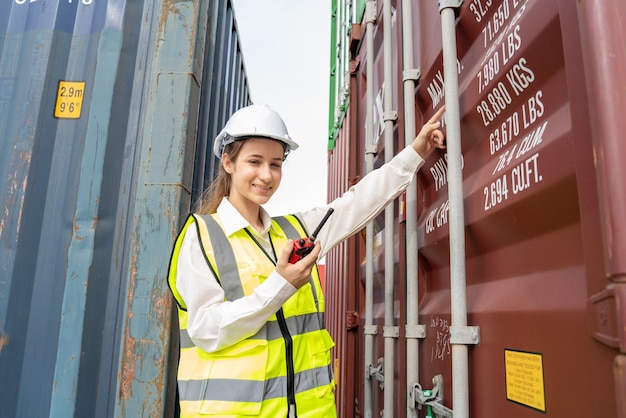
{"type": "Point", "coordinates": [282, 324]}
{"type": "Point", "coordinates": [291, 391]}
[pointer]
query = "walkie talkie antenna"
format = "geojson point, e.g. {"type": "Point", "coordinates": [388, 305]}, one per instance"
{"type": "Point", "coordinates": [321, 224]}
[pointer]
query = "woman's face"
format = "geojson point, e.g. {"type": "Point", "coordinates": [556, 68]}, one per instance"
{"type": "Point", "coordinates": [256, 173]}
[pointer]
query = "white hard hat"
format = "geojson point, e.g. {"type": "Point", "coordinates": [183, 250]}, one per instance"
{"type": "Point", "coordinates": [253, 121]}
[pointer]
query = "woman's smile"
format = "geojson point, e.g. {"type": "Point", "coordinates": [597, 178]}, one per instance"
{"type": "Point", "coordinates": [263, 188]}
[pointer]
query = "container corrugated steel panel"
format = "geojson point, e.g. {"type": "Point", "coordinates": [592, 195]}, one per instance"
{"type": "Point", "coordinates": [228, 89]}
{"type": "Point", "coordinates": [341, 274]}
{"type": "Point", "coordinates": [349, 155]}
{"type": "Point", "coordinates": [100, 102]}
{"type": "Point", "coordinates": [541, 91]}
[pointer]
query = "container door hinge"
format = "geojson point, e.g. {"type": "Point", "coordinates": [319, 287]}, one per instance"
{"type": "Point", "coordinates": [431, 399]}
{"type": "Point", "coordinates": [377, 372]}
{"type": "Point", "coordinates": [352, 320]}
{"type": "Point", "coordinates": [463, 335]}
{"type": "Point", "coordinates": [604, 310]}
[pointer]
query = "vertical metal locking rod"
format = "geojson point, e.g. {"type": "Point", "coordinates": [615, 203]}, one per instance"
{"type": "Point", "coordinates": [370, 150]}
{"type": "Point", "coordinates": [410, 76]}
{"type": "Point", "coordinates": [458, 296]}
{"type": "Point", "coordinates": [390, 330]}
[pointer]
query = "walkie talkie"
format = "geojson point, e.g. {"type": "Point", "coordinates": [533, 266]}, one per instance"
{"type": "Point", "coordinates": [304, 246]}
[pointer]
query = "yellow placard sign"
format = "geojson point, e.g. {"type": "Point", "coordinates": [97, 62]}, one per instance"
{"type": "Point", "coordinates": [69, 99]}
{"type": "Point", "coordinates": [524, 379]}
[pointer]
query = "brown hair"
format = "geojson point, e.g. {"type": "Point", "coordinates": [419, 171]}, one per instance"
{"type": "Point", "coordinates": [220, 187]}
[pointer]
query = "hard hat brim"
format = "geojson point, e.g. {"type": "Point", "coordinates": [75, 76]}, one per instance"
{"type": "Point", "coordinates": [225, 139]}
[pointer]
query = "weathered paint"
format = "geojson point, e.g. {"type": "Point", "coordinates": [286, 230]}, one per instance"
{"type": "Point", "coordinates": [545, 271]}
{"type": "Point", "coordinates": [91, 206]}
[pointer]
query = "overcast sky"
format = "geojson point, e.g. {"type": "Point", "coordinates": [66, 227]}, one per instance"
{"type": "Point", "coordinates": [286, 52]}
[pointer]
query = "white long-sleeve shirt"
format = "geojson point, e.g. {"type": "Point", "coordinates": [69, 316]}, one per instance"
{"type": "Point", "coordinates": [214, 323]}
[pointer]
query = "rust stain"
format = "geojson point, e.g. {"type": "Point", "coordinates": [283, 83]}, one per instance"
{"type": "Point", "coordinates": [128, 350]}
{"type": "Point", "coordinates": [14, 202]}
{"type": "Point", "coordinates": [4, 341]}
{"type": "Point", "coordinates": [171, 7]}
{"type": "Point", "coordinates": [162, 303]}
{"type": "Point", "coordinates": [77, 228]}
{"type": "Point", "coordinates": [138, 351]}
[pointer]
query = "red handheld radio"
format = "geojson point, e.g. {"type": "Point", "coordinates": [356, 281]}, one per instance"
{"type": "Point", "coordinates": [304, 246]}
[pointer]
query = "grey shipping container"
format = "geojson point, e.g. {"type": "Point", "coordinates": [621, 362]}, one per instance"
{"type": "Point", "coordinates": [541, 99]}
{"type": "Point", "coordinates": [105, 110]}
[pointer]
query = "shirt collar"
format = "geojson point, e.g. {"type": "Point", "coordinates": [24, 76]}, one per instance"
{"type": "Point", "coordinates": [233, 221]}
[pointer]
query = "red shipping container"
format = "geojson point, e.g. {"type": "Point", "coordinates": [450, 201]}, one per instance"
{"type": "Point", "coordinates": [541, 95]}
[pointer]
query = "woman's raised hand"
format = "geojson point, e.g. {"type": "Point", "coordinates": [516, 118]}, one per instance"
{"type": "Point", "coordinates": [430, 136]}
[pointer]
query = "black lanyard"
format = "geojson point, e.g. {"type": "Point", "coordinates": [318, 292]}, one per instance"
{"type": "Point", "coordinates": [273, 260]}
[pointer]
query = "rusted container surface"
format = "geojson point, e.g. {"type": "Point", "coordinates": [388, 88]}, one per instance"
{"type": "Point", "coordinates": [341, 284]}
{"type": "Point", "coordinates": [99, 108]}
{"type": "Point", "coordinates": [541, 91]}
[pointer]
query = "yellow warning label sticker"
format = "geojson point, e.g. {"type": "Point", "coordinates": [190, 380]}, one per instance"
{"type": "Point", "coordinates": [69, 99]}
{"type": "Point", "coordinates": [524, 379]}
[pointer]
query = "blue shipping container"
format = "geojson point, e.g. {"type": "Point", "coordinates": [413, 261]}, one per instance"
{"type": "Point", "coordinates": [105, 110]}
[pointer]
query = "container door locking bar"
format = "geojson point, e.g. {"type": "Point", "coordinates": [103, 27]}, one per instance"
{"type": "Point", "coordinates": [458, 295]}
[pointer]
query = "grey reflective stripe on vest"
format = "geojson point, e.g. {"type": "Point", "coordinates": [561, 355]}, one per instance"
{"type": "Point", "coordinates": [287, 227]}
{"type": "Point", "coordinates": [271, 331]}
{"type": "Point", "coordinates": [226, 266]}
{"type": "Point", "coordinates": [225, 260]}
{"type": "Point", "coordinates": [292, 233]}
{"type": "Point", "coordinates": [185, 340]}
{"type": "Point", "coordinates": [297, 325]}
{"type": "Point", "coordinates": [235, 390]}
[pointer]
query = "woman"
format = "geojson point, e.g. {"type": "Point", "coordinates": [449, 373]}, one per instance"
{"type": "Point", "coordinates": [253, 341]}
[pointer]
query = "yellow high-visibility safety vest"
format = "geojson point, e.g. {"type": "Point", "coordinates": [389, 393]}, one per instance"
{"type": "Point", "coordinates": [286, 361]}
